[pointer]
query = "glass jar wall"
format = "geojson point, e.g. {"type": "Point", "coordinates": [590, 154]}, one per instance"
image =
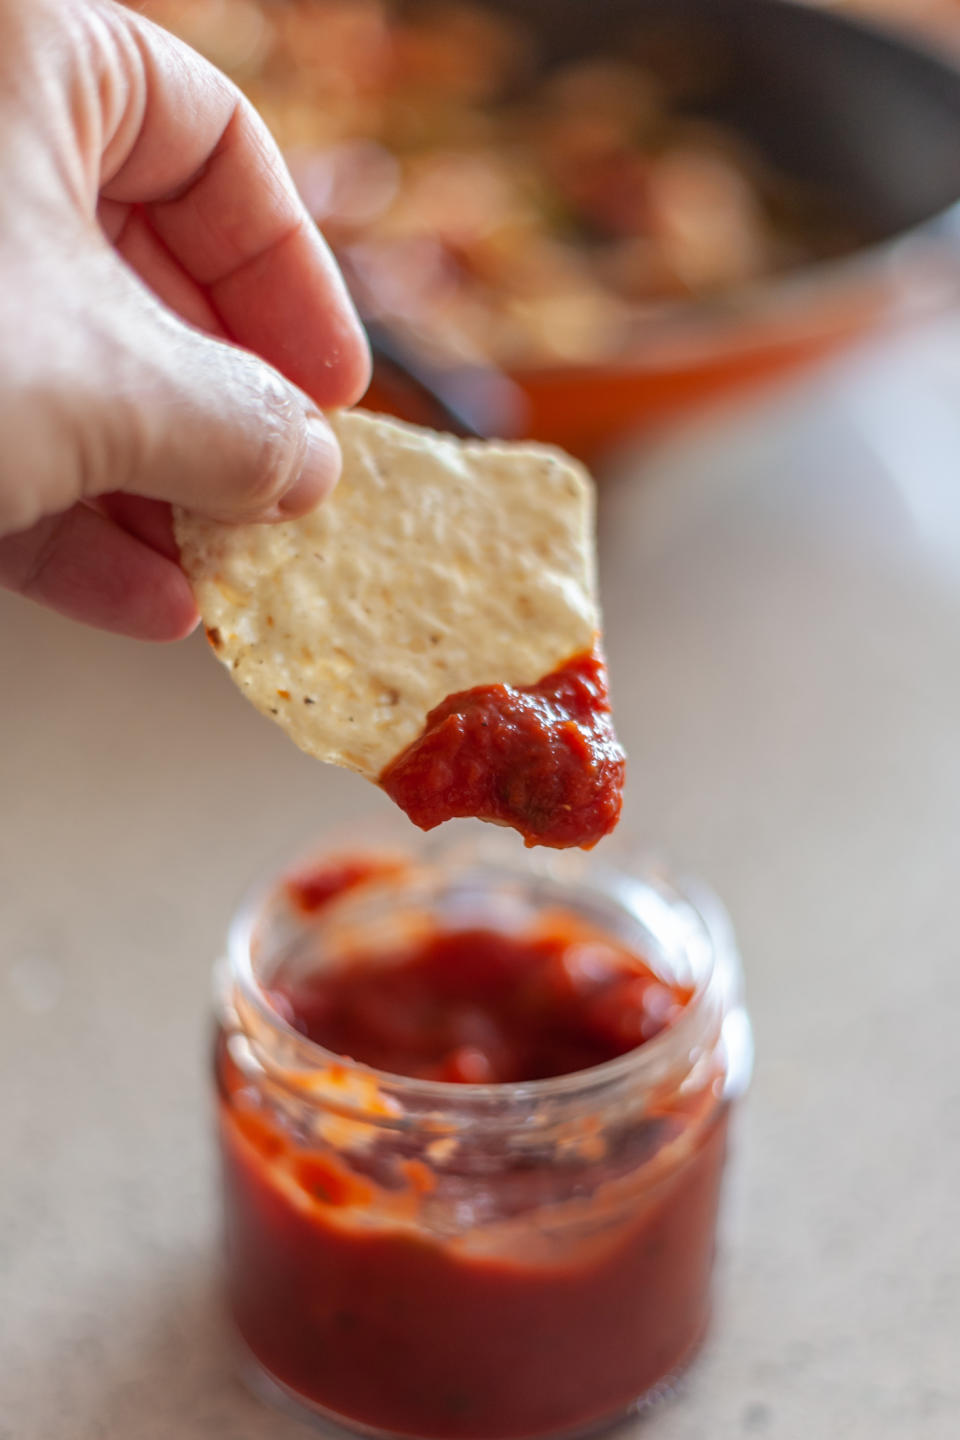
{"type": "Point", "coordinates": [435, 1257]}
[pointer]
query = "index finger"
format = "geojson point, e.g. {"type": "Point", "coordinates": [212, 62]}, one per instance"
{"type": "Point", "coordinates": [196, 155]}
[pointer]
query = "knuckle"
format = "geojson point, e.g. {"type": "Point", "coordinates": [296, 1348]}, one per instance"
{"type": "Point", "coordinates": [40, 461]}
{"type": "Point", "coordinates": [113, 439]}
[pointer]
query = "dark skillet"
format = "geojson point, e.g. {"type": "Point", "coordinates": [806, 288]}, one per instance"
{"type": "Point", "coordinates": [833, 101]}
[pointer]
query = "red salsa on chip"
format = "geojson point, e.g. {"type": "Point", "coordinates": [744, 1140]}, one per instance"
{"type": "Point", "coordinates": [541, 758]}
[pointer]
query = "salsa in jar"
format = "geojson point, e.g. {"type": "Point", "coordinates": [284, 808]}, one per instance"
{"type": "Point", "coordinates": [473, 1121]}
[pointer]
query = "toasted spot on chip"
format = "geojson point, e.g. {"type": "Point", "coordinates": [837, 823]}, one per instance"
{"type": "Point", "coordinates": [231, 593]}
{"type": "Point", "coordinates": [436, 566]}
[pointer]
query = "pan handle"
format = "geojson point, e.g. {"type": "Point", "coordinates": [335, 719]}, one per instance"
{"type": "Point", "coordinates": [474, 402]}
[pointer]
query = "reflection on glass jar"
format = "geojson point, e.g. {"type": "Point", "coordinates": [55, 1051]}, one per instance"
{"type": "Point", "coordinates": [414, 1253]}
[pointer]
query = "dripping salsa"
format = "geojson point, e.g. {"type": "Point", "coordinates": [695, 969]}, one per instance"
{"type": "Point", "coordinates": [340, 1287]}
{"type": "Point", "coordinates": [541, 758]}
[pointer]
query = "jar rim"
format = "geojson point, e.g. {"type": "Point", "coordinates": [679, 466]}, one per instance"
{"type": "Point", "coordinates": [717, 986]}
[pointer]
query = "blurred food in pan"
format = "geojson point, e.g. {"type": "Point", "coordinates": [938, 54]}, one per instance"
{"type": "Point", "coordinates": [501, 214]}
{"type": "Point", "coordinates": [581, 210]}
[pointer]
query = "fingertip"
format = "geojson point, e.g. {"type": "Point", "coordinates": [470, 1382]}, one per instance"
{"type": "Point", "coordinates": [160, 607]}
{"type": "Point", "coordinates": [319, 472]}
{"type": "Point", "coordinates": [176, 621]}
{"type": "Point", "coordinates": [337, 371]}
{"type": "Point", "coordinates": [353, 366]}
{"type": "Point", "coordinates": [84, 566]}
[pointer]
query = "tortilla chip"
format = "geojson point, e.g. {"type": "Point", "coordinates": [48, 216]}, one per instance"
{"type": "Point", "coordinates": [436, 566]}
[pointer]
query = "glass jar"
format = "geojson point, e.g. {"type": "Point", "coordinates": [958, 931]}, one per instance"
{"type": "Point", "coordinates": [422, 1258]}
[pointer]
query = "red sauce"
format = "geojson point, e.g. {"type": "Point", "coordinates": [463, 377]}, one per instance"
{"type": "Point", "coordinates": [483, 1007]}
{"type": "Point", "coordinates": [541, 758]}
{"type": "Point", "coordinates": [312, 889]}
{"type": "Point", "coordinates": [591, 1288]}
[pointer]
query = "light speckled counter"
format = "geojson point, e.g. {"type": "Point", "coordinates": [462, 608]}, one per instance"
{"type": "Point", "coordinates": [786, 657]}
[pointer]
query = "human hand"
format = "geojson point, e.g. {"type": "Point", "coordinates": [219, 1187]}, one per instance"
{"type": "Point", "coordinates": [148, 231]}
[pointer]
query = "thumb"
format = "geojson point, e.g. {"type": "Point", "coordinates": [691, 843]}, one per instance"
{"type": "Point", "coordinates": [189, 418]}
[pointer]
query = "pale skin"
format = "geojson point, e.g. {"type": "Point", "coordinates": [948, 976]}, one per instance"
{"type": "Point", "coordinates": [171, 322]}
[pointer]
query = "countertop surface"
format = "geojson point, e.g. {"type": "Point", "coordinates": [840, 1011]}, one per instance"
{"type": "Point", "coordinates": [783, 606]}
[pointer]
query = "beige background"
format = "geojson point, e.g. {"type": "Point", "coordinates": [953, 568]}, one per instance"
{"type": "Point", "coordinates": [784, 631]}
